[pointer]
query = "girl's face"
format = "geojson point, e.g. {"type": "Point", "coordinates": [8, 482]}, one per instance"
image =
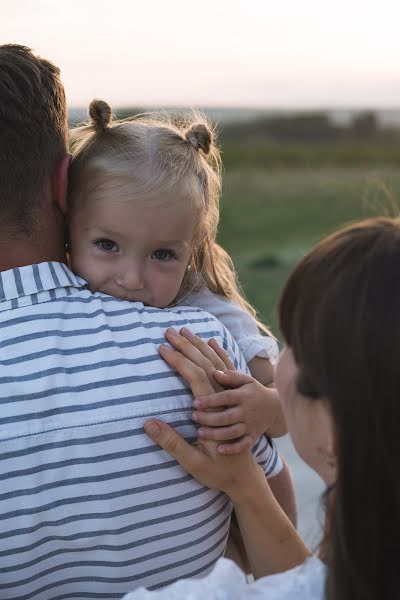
{"type": "Point", "coordinates": [309, 420]}
{"type": "Point", "coordinates": [133, 250]}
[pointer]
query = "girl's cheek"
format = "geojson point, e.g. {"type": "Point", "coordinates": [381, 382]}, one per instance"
{"type": "Point", "coordinates": [90, 268]}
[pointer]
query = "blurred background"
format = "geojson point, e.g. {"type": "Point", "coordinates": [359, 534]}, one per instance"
{"type": "Point", "coordinates": [305, 95]}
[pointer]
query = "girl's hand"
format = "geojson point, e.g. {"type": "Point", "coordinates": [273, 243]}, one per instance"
{"type": "Point", "coordinates": [238, 415]}
{"type": "Point", "coordinates": [251, 409]}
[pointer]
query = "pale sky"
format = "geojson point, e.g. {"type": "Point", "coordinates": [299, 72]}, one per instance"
{"type": "Point", "coordinates": [251, 53]}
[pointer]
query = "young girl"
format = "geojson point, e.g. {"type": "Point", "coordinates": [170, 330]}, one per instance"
{"type": "Point", "coordinates": [144, 210]}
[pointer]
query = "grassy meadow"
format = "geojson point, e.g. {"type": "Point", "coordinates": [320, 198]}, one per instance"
{"type": "Point", "coordinates": [271, 215]}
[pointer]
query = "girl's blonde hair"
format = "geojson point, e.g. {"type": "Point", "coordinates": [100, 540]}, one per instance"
{"type": "Point", "coordinates": [160, 155]}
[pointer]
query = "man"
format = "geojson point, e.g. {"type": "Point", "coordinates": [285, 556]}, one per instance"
{"type": "Point", "coordinates": [89, 507]}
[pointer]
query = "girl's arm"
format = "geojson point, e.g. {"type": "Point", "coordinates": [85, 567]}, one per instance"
{"type": "Point", "coordinates": [242, 326]}
{"type": "Point", "coordinates": [263, 371]}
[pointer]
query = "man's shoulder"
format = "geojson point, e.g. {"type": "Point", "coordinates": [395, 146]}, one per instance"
{"type": "Point", "coordinates": [126, 311]}
{"type": "Point", "coordinates": [197, 315]}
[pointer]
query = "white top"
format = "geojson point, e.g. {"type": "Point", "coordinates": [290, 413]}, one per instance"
{"type": "Point", "coordinates": [90, 507]}
{"type": "Point", "coordinates": [239, 322]}
{"type": "Point", "coordinates": [228, 582]}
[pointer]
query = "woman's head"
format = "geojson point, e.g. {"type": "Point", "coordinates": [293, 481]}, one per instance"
{"type": "Point", "coordinates": [144, 200]}
{"type": "Point", "coordinates": [339, 314]}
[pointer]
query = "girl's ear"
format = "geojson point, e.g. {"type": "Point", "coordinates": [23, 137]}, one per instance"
{"type": "Point", "coordinates": [60, 184]}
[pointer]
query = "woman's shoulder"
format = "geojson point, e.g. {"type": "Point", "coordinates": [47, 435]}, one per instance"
{"type": "Point", "coordinates": [228, 582]}
{"type": "Point", "coordinates": [305, 581]}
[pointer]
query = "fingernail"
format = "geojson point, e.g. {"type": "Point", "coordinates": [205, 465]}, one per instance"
{"type": "Point", "coordinates": [152, 429]}
{"type": "Point", "coordinates": [221, 450]}
{"type": "Point", "coordinates": [165, 348]}
{"type": "Point", "coordinates": [186, 332]}
{"type": "Point", "coordinates": [195, 417]}
{"type": "Point", "coordinates": [171, 331]}
{"type": "Point", "coordinates": [201, 433]}
{"type": "Point", "coordinates": [197, 404]}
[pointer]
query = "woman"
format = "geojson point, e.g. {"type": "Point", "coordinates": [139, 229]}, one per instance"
{"type": "Point", "coordinates": [339, 381]}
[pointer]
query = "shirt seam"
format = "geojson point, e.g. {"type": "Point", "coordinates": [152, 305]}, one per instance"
{"type": "Point", "coordinates": [100, 422]}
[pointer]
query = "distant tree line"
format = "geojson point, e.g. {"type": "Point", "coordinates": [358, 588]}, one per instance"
{"type": "Point", "coordinates": [309, 127]}
{"type": "Point", "coordinates": [305, 127]}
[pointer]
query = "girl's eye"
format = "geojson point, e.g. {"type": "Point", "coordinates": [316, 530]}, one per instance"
{"type": "Point", "coordinates": [163, 255]}
{"type": "Point", "coordinates": [107, 245]}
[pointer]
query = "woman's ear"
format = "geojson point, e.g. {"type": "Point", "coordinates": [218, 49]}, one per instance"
{"type": "Point", "coordinates": [326, 441]}
{"type": "Point", "coordinates": [60, 184]}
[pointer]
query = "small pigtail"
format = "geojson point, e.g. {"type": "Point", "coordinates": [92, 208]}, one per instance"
{"type": "Point", "coordinates": [100, 115]}
{"type": "Point", "coordinates": [200, 137]}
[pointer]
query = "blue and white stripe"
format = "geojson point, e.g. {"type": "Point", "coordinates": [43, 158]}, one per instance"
{"type": "Point", "coordinates": [89, 507]}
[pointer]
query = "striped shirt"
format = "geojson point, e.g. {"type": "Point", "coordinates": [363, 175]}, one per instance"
{"type": "Point", "coordinates": [89, 506]}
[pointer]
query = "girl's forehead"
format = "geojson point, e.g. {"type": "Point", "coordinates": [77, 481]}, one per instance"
{"type": "Point", "coordinates": [167, 219]}
{"type": "Point", "coordinates": [162, 192]}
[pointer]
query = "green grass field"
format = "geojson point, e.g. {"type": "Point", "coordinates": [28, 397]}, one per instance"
{"type": "Point", "coordinates": [345, 153]}
{"type": "Point", "coordinates": [271, 217]}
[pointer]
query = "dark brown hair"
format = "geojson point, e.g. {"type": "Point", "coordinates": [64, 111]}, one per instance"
{"type": "Point", "coordinates": [33, 133]}
{"type": "Point", "coordinates": [340, 314]}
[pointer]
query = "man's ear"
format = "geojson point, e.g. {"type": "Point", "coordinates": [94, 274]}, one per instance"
{"type": "Point", "coordinates": [60, 184]}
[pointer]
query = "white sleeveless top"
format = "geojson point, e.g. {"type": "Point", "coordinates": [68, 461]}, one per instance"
{"type": "Point", "coordinates": [228, 582]}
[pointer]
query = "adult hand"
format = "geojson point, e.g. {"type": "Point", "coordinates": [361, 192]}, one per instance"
{"type": "Point", "coordinates": [232, 474]}
{"type": "Point", "coordinates": [198, 362]}
{"type": "Point", "coordinates": [270, 539]}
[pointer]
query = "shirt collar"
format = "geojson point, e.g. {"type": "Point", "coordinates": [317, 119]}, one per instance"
{"type": "Point", "coordinates": [32, 279]}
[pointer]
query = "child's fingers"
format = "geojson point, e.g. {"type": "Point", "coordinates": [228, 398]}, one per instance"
{"type": "Point", "coordinates": [218, 400]}
{"type": "Point", "coordinates": [219, 419]}
{"type": "Point", "coordinates": [222, 434]}
{"type": "Point", "coordinates": [237, 446]}
{"type": "Point", "coordinates": [224, 356]}
{"type": "Point", "coordinates": [232, 378]}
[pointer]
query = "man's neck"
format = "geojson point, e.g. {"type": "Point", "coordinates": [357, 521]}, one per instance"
{"type": "Point", "coordinates": [19, 253]}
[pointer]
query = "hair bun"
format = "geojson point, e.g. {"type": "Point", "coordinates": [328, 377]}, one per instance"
{"type": "Point", "coordinates": [100, 114]}
{"type": "Point", "coordinates": [200, 137]}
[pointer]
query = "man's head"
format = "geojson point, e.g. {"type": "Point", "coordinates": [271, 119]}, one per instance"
{"type": "Point", "coordinates": [33, 138]}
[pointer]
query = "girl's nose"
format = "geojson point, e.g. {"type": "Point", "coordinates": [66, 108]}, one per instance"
{"type": "Point", "coordinates": [131, 279]}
